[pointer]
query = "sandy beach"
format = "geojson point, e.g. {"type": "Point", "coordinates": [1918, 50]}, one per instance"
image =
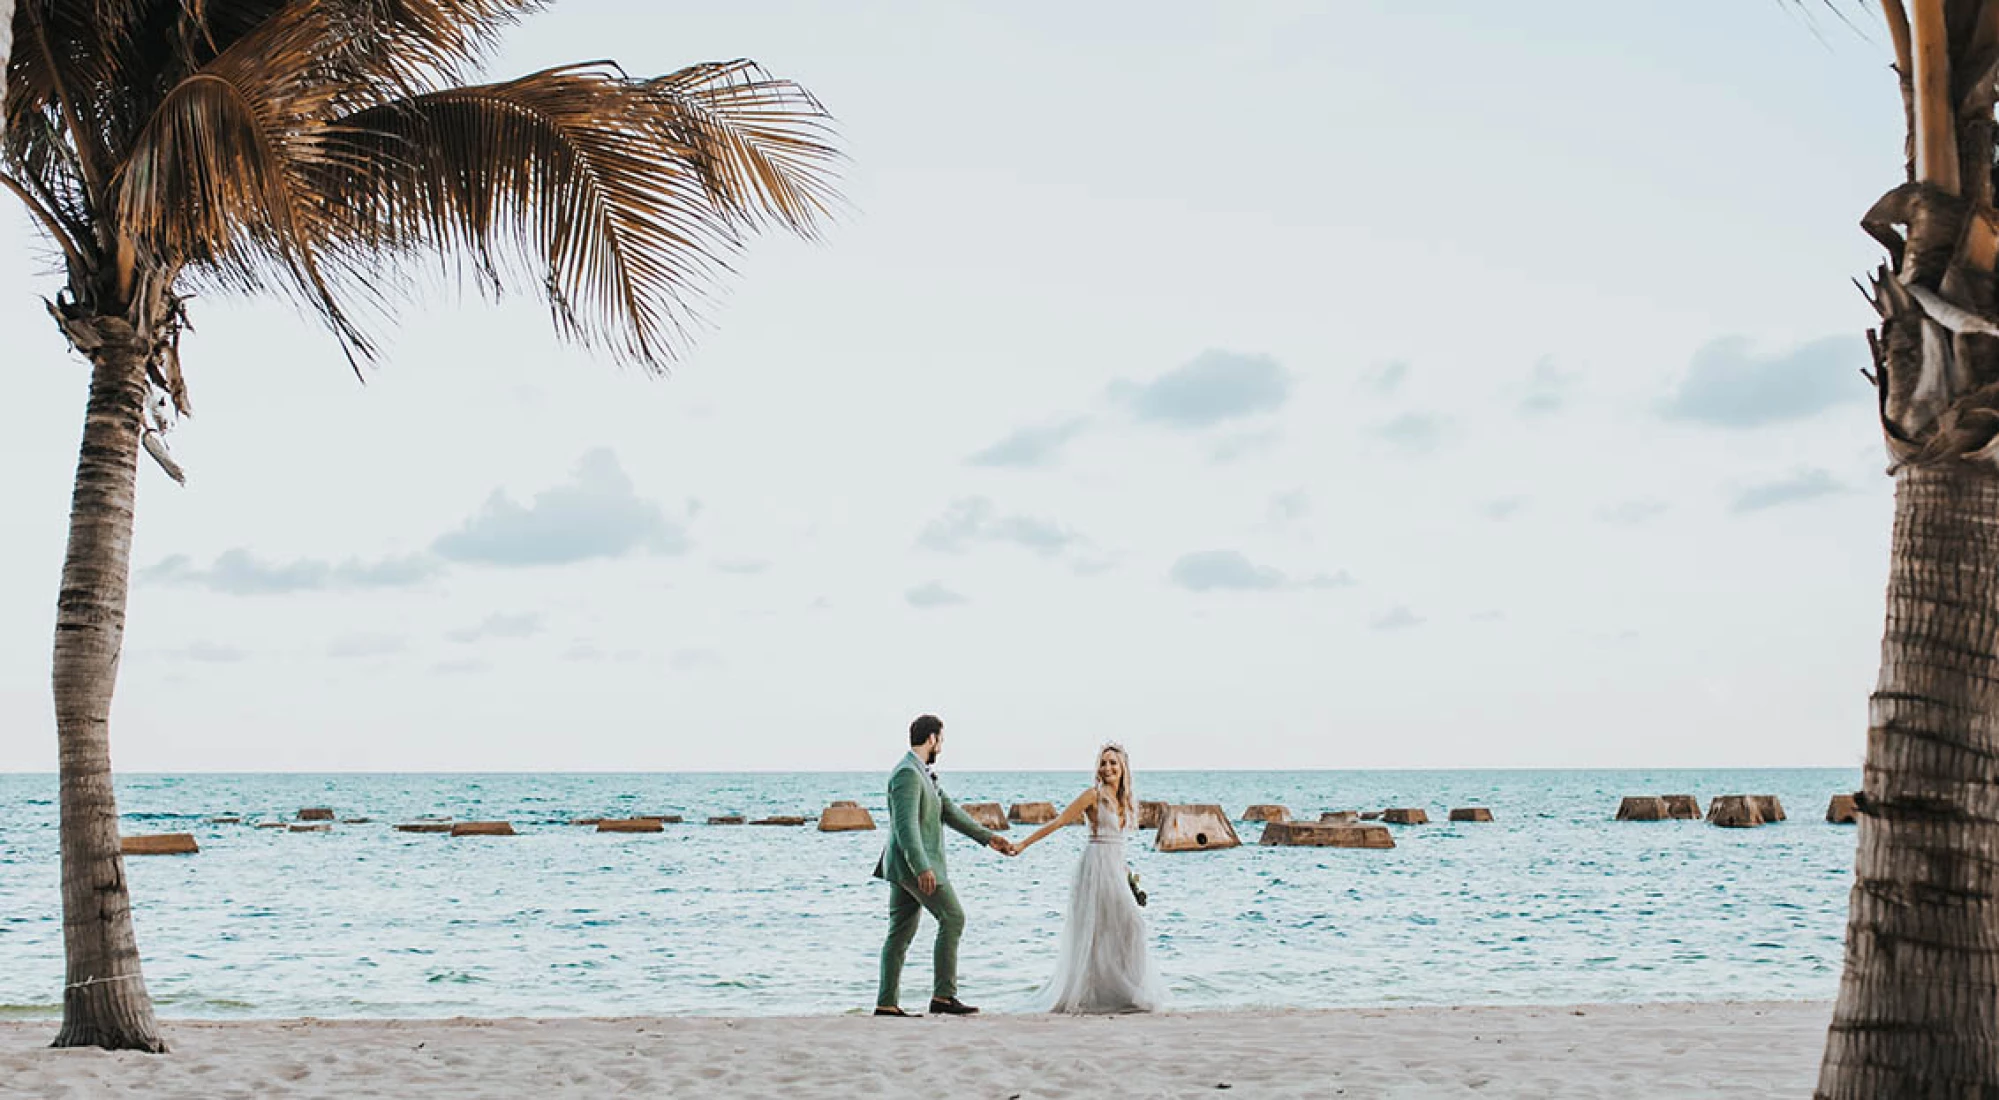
{"type": "Point", "coordinates": [1734, 1049]}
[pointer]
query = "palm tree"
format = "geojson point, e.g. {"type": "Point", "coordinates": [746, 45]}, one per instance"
{"type": "Point", "coordinates": [315, 148]}
{"type": "Point", "coordinates": [1918, 1008]}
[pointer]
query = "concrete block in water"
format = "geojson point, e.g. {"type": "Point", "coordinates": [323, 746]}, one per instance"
{"type": "Point", "coordinates": [315, 813]}
{"type": "Point", "coordinates": [482, 828]}
{"type": "Point", "coordinates": [845, 817]}
{"type": "Point", "coordinates": [1151, 813]}
{"type": "Point", "coordinates": [989, 814]}
{"type": "Point", "coordinates": [1320, 834]}
{"type": "Point", "coordinates": [311, 827]}
{"type": "Point", "coordinates": [629, 825]}
{"type": "Point", "coordinates": [1405, 816]}
{"type": "Point", "coordinates": [1769, 807]}
{"type": "Point", "coordinates": [1195, 828]}
{"type": "Point", "coordinates": [1642, 807]}
{"type": "Point", "coordinates": [424, 827]}
{"type": "Point", "coordinates": [226, 819]}
{"type": "Point", "coordinates": [1266, 812]}
{"type": "Point", "coordinates": [1682, 807]}
{"type": "Point", "coordinates": [586, 821]}
{"type": "Point", "coordinates": [159, 844]}
{"type": "Point", "coordinates": [1339, 817]}
{"type": "Point", "coordinates": [1844, 809]}
{"type": "Point", "coordinates": [1032, 813]}
{"type": "Point", "coordinates": [779, 819]}
{"type": "Point", "coordinates": [1735, 811]}
{"type": "Point", "coordinates": [728, 819]}
{"type": "Point", "coordinates": [1471, 813]}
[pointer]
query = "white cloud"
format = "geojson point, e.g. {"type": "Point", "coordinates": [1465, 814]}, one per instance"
{"type": "Point", "coordinates": [971, 521]}
{"type": "Point", "coordinates": [933, 595]}
{"type": "Point", "coordinates": [523, 625]}
{"type": "Point", "coordinates": [1214, 388]}
{"type": "Point", "coordinates": [1729, 385]}
{"type": "Point", "coordinates": [240, 573]}
{"type": "Point", "coordinates": [1032, 447]}
{"type": "Point", "coordinates": [596, 514]}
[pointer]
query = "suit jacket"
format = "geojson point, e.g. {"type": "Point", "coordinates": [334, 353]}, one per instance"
{"type": "Point", "coordinates": [917, 812]}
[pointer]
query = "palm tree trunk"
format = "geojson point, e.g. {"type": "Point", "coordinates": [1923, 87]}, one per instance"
{"type": "Point", "coordinates": [1918, 1008]}
{"type": "Point", "coordinates": [105, 1003]}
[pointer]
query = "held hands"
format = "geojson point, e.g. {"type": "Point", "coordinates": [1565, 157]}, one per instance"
{"type": "Point", "coordinates": [1003, 846]}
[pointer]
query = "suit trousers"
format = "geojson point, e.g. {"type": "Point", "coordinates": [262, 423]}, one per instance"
{"type": "Point", "coordinates": [905, 908]}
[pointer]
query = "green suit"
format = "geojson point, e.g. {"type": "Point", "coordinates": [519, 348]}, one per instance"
{"type": "Point", "coordinates": [917, 813]}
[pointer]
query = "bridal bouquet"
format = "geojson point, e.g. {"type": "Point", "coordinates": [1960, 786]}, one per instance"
{"type": "Point", "coordinates": [1132, 878]}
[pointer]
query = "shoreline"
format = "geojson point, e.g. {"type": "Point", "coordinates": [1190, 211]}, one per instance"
{"type": "Point", "coordinates": [1685, 1048]}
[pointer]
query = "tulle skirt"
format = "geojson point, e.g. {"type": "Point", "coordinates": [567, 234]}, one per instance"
{"type": "Point", "coordinates": [1103, 966]}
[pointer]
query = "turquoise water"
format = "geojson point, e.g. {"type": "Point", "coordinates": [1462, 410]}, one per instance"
{"type": "Point", "coordinates": [1552, 903]}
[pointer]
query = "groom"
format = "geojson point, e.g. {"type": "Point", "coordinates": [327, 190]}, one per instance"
{"type": "Point", "coordinates": [913, 864]}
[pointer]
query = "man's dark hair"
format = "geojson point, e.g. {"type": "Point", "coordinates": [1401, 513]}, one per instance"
{"type": "Point", "coordinates": [924, 728]}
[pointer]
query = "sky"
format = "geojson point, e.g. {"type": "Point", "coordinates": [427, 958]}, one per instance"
{"type": "Point", "coordinates": [1260, 385]}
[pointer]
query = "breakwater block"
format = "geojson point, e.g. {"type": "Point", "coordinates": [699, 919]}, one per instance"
{"type": "Point", "coordinates": [1266, 812]}
{"type": "Point", "coordinates": [1768, 805]}
{"type": "Point", "coordinates": [311, 827]}
{"type": "Point", "coordinates": [315, 813]}
{"type": "Point", "coordinates": [586, 821]}
{"type": "Point", "coordinates": [1195, 829]}
{"type": "Point", "coordinates": [1370, 815]}
{"type": "Point", "coordinates": [728, 819]}
{"type": "Point", "coordinates": [424, 827]}
{"type": "Point", "coordinates": [1735, 811]}
{"type": "Point", "coordinates": [1150, 814]}
{"type": "Point", "coordinates": [1471, 813]}
{"type": "Point", "coordinates": [1319, 834]}
{"type": "Point", "coordinates": [845, 817]}
{"type": "Point", "coordinates": [270, 824]}
{"type": "Point", "coordinates": [226, 819]}
{"type": "Point", "coordinates": [1338, 817]}
{"type": "Point", "coordinates": [160, 844]}
{"type": "Point", "coordinates": [482, 828]}
{"type": "Point", "coordinates": [1032, 813]}
{"type": "Point", "coordinates": [357, 821]}
{"type": "Point", "coordinates": [629, 825]}
{"type": "Point", "coordinates": [1844, 809]}
{"type": "Point", "coordinates": [664, 819]}
{"type": "Point", "coordinates": [990, 814]}
{"type": "Point", "coordinates": [1405, 816]}
{"type": "Point", "coordinates": [1641, 807]}
{"type": "Point", "coordinates": [779, 819]}
{"type": "Point", "coordinates": [1682, 807]}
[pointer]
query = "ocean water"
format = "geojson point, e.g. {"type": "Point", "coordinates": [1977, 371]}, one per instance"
{"type": "Point", "coordinates": [1552, 903]}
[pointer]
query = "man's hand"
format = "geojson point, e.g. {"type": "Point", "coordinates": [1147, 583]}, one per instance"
{"type": "Point", "coordinates": [1004, 846]}
{"type": "Point", "coordinates": [926, 883]}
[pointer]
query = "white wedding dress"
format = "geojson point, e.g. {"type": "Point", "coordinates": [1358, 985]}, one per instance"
{"type": "Point", "coordinates": [1104, 966]}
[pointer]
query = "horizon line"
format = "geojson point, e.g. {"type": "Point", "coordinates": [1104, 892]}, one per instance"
{"type": "Point", "coordinates": [975, 771]}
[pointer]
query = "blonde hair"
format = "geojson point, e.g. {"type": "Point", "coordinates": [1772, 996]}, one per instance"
{"type": "Point", "coordinates": [1123, 799]}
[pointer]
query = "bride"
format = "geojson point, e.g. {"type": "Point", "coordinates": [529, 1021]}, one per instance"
{"type": "Point", "coordinates": [1104, 966]}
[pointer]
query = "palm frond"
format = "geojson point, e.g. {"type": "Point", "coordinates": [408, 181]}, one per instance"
{"type": "Point", "coordinates": [624, 199]}
{"type": "Point", "coordinates": [763, 146]}
{"type": "Point", "coordinates": [402, 46]}
{"type": "Point", "coordinates": [221, 177]}
{"type": "Point", "coordinates": [310, 146]}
